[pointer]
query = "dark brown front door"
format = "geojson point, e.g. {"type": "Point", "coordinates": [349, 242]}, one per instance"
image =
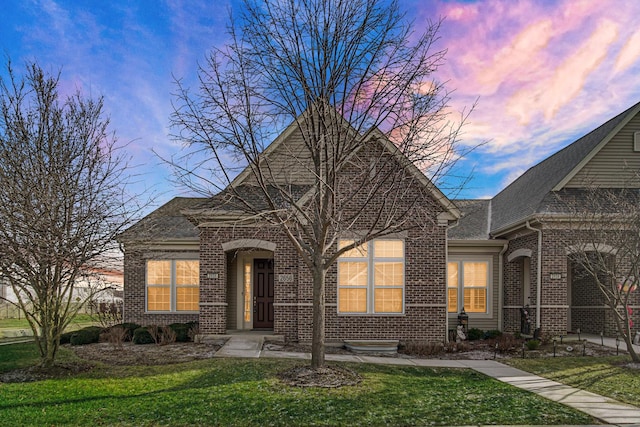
{"type": "Point", "coordinates": [263, 293]}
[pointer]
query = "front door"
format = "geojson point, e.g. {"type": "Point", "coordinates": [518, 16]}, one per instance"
{"type": "Point", "coordinates": [263, 293]}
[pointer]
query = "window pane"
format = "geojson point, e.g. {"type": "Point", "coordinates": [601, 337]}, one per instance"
{"type": "Point", "coordinates": [158, 272]}
{"type": "Point", "coordinates": [187, 299]}
{"type": "Point", "coordinates": [388, 249]}
{"type": "Point", "coordinates": [247, 292]}
{"type": "Point", "coordinates": [352, 274]}
{"type": "Point", "coordinates": [453, 300]}
{"type": "Point", "coordinates": [475, 274]}
{"type": "Point", "coordinates": [187, 273]}
{"type": "Point", "coordinates": [452, 286]}
{"type": "Point", "coordinates": [352, 300]}
{"type": "Point", "coordinates": [388, 274]}
{"type": "Point", "coordinates": [452, 269]}
{"type": "Point", "coordinates": [158, 299]}
{"type": "Point", "coordinates": [357, 252]}
{"type": "Point", "coordinates": [388, 300]}
{"type": "Point", "coordinates": [475, 300]}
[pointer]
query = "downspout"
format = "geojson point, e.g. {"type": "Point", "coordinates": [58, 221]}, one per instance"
{"type": "Point", "coordinates": [446, 275]}
{"type": "Point", "coordinates": [501, 285]}
{"type": "Point", "coordinates": [539, 273]}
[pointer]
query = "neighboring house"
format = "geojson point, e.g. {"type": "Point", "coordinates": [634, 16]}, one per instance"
{"type": "Point", "coordinates": [186, 261]}
{"type": "Point", "coordinates": [101, 285]}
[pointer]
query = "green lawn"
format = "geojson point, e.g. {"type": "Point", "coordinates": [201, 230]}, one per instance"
{"type": "Point", "coordinates": [247, 393]}
{"type": "Point", "coordinates": [602, 375]}
{"type": "Point", "coordinates": [81, 320]}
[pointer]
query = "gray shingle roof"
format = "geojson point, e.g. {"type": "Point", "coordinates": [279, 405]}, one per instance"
{"type": "Point", "coordinates": [165, 223]}
{"type": "Point", "coordinates": [529, 194]}
{"type": "Point", "coordinates": [474, 220]}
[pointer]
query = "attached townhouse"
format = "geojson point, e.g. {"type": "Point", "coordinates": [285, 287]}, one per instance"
{"type": "Point", "coordinates": [505, 261]}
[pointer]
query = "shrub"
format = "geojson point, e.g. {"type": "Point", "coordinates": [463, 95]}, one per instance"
{"type": "Point", "coordinates": [456, 347]}
{"type": "Point", "coordinates": [491, 334]}
{"type": "Point", "coordinates": [167, 336]}
{"type": "Point", "coordinates": [66, 337]}
{"type": "Point", "coordinates": [88, 335]}
{"type": "Point", "coordinates": [142, 336]}
{"type": "Point", "coordinates": [419, 348]}
{"type": "Point", "coordinates": [181, 330]}
{"type": "Point", "coordinates": [194, 329]}
{"type": "Point", "coordinates": [115, 335]}
{"type": "Point", "coordinates": [507, 342]}
{"type": "Point", "coordinates": [475, 334]}
{"type": "Point", "coordinates": [533, 344]}
{"type": "Point", "coordinates": [129, 328]}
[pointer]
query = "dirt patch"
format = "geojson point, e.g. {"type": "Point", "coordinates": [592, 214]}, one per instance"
{"type": "Point", "coordinates": [302, 348]}
{"type": "Point", "coordinates": [35, 373]}
{"type": "Point", "coordinates": [148, 354]}
{"type": "Point", "coordinates": [327, 377]}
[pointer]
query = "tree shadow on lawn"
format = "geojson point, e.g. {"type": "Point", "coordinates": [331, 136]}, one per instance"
{"type": "Point", "coordinates": [228, 391]}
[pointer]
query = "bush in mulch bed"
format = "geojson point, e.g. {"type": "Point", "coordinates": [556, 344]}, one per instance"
{"type": "Point", "coordinates": [88, 335]}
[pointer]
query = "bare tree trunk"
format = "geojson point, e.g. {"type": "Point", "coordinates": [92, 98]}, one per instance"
{"type": "Point", "coordinates": [622, 325]}
{"type": "Point", "coordinates": [317, 347]}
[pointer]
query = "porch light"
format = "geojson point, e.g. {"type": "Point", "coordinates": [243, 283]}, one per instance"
{"type": "Point", "coordinates": [463, 320]}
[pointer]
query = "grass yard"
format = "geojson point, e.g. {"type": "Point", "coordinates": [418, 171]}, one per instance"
{"type": "Point", "coordinates": [248, 393]}
{"type": "Point", "coordinates": [79, 321]}
{"type": "Point", "coordinates": [602, 375]}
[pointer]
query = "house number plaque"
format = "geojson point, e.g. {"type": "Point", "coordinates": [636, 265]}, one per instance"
{"type": "Point", "coordinates": [285, 277]}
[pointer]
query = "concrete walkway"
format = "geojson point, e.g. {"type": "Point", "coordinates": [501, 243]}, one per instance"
{"type": "Point", "coordinates": [604, 409]}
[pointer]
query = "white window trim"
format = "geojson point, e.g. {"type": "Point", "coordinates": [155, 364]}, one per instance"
{"type": "Point", "coordinates": [472, 258]}
{"type": "Point", "coordinates": [173, 292]}
{"type": "Point", "coordinates": [370, 259]}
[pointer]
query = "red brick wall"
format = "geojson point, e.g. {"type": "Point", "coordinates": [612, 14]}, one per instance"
{"type": "Point", "coordinates": [586, 300]}
{"type": "Point", "coordinates": [425, 266]}
{"type": "Point", "coordinates": [134, 293]}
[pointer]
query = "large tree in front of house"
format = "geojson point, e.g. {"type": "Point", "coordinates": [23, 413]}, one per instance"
{"type": "Point", "coordinates": [344, 72]}
{"type": "Point", "coordinates": [62, 199]}
{"type": "Point", "coordinates": [604, 241]}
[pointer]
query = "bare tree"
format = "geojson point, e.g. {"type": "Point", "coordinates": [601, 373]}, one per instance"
{"type": "Point", "coordinates": [62, 200]}
{"type": "Point", "coordinates": [355, 81]}
{"type": "Point", "coordinates": [604, 242]}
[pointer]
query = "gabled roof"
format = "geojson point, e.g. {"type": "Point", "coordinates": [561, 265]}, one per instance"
{"type": "Point", "coordinates": [225, 203]}
{"type": "Point", "coordinates": [526, 196]}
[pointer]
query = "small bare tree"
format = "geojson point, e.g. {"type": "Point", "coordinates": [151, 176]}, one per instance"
{"type": "Point", "coordinates": [62, 200]}
{"type": "Point", "coordinates": [604, 241]}
{"type": "Point", "coordinates": [350, 77]}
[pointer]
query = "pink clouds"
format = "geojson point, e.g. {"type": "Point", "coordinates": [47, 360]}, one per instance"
{"type": "Point", "coordinates": [545, 72]}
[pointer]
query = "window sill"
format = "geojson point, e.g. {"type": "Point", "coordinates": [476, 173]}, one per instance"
{"type": "Point", "coordinates": [172, 312]}
{"type": "Point", "coordinates": [371, 314]}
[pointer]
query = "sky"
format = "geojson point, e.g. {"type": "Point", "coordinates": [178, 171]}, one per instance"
{"type": "Point", "coordinates": [541, 73]}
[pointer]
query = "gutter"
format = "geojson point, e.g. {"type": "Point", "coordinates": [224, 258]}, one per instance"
{"type": "Point", "coordinates": [539, 273]}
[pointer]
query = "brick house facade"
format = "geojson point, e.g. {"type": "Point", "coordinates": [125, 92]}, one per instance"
{"type": "Point", "coordinates": [495, 258]}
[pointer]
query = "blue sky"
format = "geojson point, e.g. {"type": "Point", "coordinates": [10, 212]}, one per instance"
{"type": "Point", "coordinates": [543, 72]}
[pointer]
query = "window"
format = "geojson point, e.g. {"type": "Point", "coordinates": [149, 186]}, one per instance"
{"type": "Point", "coordinates": [371, 278]}
{"type": "Point", "coordinates": [173, 285]}
{"type": "Point", "coordinates": [468, 286]}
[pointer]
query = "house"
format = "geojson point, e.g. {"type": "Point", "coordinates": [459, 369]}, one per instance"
{"type": "Point", "coordinates": [504, 261]}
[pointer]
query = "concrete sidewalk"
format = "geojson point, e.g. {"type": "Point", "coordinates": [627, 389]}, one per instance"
{"type": "Point", "coordinates": [606, 410]}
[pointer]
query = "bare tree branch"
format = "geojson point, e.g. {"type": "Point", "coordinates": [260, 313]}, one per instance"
{"type": "Point", "coordinates": [62, 199]}
{"type": "Point", "coordinates": [357, 88]}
